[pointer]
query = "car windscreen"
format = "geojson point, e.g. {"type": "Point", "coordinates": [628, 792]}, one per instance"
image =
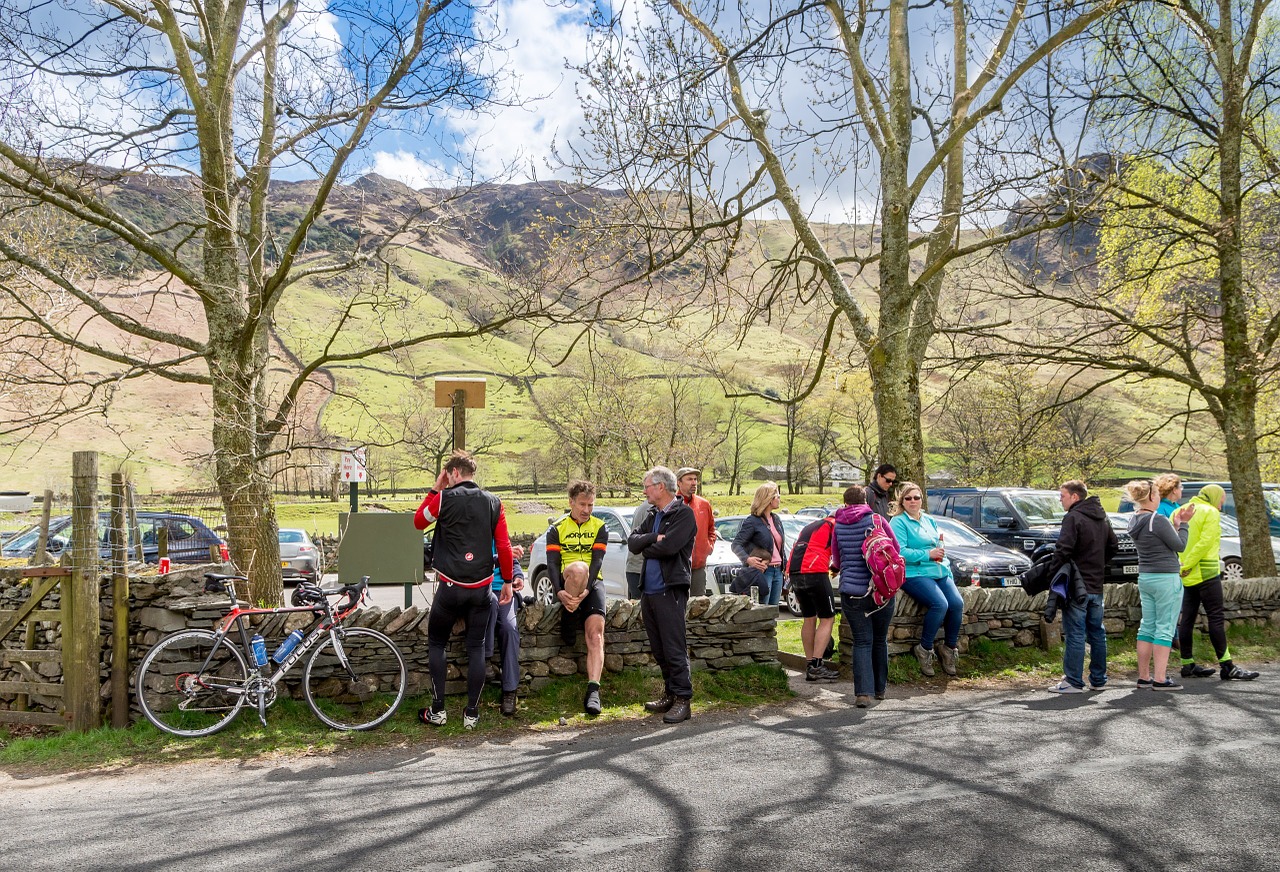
{"type": "Point", "coordinates": [1039, 508]}
{"type": "Point", "coordinates": [957, 533]}
{"type": "Point", "coordinates": [1229, 525]}
{"type": "Point", "coordinates": [1273, 502]}
{"type": "Point", "coordinates": [291, 537]}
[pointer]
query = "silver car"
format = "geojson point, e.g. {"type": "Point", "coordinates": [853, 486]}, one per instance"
{"type": "Point", "coordinates": [618, 522]}
{"type": "Point", "coordinates": [1229, 549]}
{"type": "Point", "coordinates": [299, 557]}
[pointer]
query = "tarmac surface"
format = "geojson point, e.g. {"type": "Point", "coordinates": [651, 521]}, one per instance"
{"type": "Point", "coordinates": [987, 779]}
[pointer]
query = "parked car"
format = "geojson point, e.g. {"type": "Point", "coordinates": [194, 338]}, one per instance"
{"type": "Point", "coordinates": [976, 560]}
{"type": "Point", "coordinates": [1228, 547]}
{"type": "Point", "coordinates": [1270, 493]}
{"type": "Point", "coordinates": [299, 557]}
{"type": "Point", "coordinates": [728, 563]}
{"type": "Point", "coordinates": [1023, 520]}
{"type": "Point", "coordinates": [618, 523]}
{"type": "Point", "coordinates": [189, 538]}
{"type": "Point", "coordinates": [814, 512]}
{"type": "Point", "coordinates": [1230, 553]}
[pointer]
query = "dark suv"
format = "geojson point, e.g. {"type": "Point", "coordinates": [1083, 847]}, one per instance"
{"type": "Point", "coordinates": [1025, 520]}
{"type": "Point", "coordinates": [189, 538]}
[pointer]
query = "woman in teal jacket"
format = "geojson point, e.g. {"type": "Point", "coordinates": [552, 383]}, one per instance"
{"type": "Point", "coordinates": [929, 581]}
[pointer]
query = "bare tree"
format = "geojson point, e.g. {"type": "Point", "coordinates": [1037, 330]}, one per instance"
{"type": "Point", "coordinates": [204, 105]}
{"type": "Point", "coordinates": [1184, 289]}
{"type": "Point", "coordinates": [710, 116]}
{"type": "Point", "coordinates": [740, 433]}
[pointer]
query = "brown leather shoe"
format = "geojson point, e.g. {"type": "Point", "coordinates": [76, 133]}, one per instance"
{"type": "Point", "coordinates": [509, 703]}
{"type": "Point", "coordinates": [862, 700]}
{"type": "Point", "coordinates": [661, 704]}
{"type": "Point", "coordinates": [680, 711]}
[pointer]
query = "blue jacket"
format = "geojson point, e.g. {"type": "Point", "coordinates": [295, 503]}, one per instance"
{"type": "Point", "coordinates": [852, 523]}
{"type": "Point", "coordinates": [915, 540]}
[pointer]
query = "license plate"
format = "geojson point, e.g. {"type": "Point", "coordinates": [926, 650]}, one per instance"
{"type": "Point", "coordinates": [1011, 582]}
{"type": "Point", "coordinates": [1130, 570]}
{"type": "Point", "coordinates": [284, 564]}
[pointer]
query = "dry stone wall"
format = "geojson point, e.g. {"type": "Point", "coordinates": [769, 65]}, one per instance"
{"type": "Point", "coordinates": [1010, 615]}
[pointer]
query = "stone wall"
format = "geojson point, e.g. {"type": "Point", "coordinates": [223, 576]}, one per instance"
{"type": "Point", "coordinates": [1011, 615]}
{"type": "Point", "coordinates": [724, 632]}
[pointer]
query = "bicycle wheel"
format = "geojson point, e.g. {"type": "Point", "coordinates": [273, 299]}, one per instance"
{"type": "Point", "coordinates": [358, 684]}
{"type": "Point", "coordinates": [192, 683]}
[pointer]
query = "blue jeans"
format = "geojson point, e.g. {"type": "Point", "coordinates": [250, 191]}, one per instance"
{"type": "Point", "coordinates": [870, 642]}
{"type": "Point", "coordinates": [773, 583]}
{"type": "Point", "coordinates": [941, 601]}
{"type": "Point", "coordinates": [1079, 622]}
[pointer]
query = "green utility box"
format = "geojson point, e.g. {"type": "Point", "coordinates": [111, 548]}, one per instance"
{"type": "Point", "coordinates": [382, 545]}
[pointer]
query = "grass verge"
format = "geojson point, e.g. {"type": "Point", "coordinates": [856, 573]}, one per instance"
{"type": "Point", "coordinates": [991, 661]}
{"type": "Point", "coordinates": [292, 730]}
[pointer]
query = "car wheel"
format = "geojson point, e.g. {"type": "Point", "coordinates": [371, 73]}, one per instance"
{"type": "Point", "coordinates": [1232, 569]}
{"type": "Point", "coordinates": [543, 591]}
{"type": "Point", "coordinates": [793, 604]}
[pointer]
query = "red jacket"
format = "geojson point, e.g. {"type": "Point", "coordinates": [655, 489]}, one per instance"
{"type": "Point", "coordinates": [706, 538]}
{"type": "Point", "coordinates": [812, 551]}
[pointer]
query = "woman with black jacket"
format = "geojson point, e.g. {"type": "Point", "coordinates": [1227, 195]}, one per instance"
{"type": "Point", "coordinates": [761, 546]}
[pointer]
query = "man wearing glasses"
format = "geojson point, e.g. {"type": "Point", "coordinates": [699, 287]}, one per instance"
{"type": "Point", "coordinates": [665, 540]}
{"type": "Point", "coordinates": [882, 482]}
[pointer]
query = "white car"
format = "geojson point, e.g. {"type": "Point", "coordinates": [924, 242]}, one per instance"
{"type": "Point", "coordinates": [618, 522]}
{"type": "Point", "coordinates": [1229, 549]}
{"type": "Point", "coordinates": [1228, 546]}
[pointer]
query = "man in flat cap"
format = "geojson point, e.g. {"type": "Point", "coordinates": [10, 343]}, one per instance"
{"type": "Point", "coordinates": [687, 479]}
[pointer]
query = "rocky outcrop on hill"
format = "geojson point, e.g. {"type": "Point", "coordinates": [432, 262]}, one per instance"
{"type": "Point", "coordinates": [1061, 253]}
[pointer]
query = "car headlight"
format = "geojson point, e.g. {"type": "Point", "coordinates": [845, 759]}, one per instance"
{"type": "Point", "coordinates": [963, 565]}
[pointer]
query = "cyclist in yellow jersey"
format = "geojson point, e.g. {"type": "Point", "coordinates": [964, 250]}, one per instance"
{"type": "Point", "coordinates": [581, 537]}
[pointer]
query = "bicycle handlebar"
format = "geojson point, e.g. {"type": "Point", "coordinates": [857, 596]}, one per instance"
{"type": "Point", "coordinates": [216, 583]}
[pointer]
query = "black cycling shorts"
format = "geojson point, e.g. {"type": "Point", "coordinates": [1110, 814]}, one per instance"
{"type": "Point", "coordinates": [571, 622]}
{"type": "Point", "coordinates": [813, 593]}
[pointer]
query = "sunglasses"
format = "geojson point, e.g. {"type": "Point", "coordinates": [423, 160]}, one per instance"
{"type": "Point", "coordinates": [912, 497]}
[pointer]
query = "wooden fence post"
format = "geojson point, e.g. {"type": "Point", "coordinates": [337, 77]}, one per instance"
{"type": "Point", "coordinates": [80, 639]}
{"type": "Point", "coordinates": [119, 605]}
{"type": "Point", "coordinates": [42, 544]}
{"type": "Point", "coordinates": [135, 533]}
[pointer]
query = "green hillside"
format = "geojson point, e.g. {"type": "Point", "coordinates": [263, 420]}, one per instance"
{"type": "Point", "coordinates": [159, 432]}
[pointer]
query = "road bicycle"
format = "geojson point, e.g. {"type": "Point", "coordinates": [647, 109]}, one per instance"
{"type": "Point", "coordinates": [194, 682]}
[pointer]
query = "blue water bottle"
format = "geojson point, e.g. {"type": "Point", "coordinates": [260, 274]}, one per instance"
{"type": "Point", "coordinates": [259, 647]}
{"type": "Point", "coordinates": [286, 647]}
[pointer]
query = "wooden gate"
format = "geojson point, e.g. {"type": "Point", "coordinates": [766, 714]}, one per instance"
{"type": "Point", "coordinates": [31, 687]}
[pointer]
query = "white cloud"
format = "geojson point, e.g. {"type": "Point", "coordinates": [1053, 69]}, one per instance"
{"type": "Point", "coordinates": [543, 40]}
{"type": "Point", "coordinates": [413, 170]}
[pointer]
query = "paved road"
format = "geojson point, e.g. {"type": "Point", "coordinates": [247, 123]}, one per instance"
{"type": "Point", "coordinates": [962, 780]}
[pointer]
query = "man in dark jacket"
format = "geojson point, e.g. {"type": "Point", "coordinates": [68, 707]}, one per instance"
{"type": "Point", "coordinates": [665, 539]}
{"type": "Point", "coordinates": [1087, 540]}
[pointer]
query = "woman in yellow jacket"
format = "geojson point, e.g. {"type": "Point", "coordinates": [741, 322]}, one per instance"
{"type": "Point", "coordinates": [1202, 586]}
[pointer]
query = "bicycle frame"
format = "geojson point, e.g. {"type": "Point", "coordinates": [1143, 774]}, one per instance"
{"type": "Point", "coordinates": [327, 622]}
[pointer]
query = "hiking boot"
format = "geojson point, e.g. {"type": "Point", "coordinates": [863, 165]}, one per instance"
{"type": "Point", "coordinates": [1235, 673]}
{"type": "Point", "coordinates": [508, 703]}
{"type": "Point", "coordinates": [948, 656]}
{"type": "Point", "coordinates": [821, 672]}
{"type": "Point", "coordinates": [862, 700]}
{"type": "Point", "coordinates": [661, 704]}
{"type": "Point", "coordinates": [432, 717]}
{"type": "Point", "coordinates": [880, 694]}
{"type": "Point", "coordinates": [470, 717]}
{"type": "Point", "coordinates": [680, 711]}
{"type": "Point", "coordinates": [1065, 686]}
{"type": "Point", "coordinates": [1193, 670]}
{"type": "Point", "coordinates": [591, 702]}
{"type": "Point", "coordinates": [925, 657]}
{"type": "Point", "coordinates": [1167, 684]}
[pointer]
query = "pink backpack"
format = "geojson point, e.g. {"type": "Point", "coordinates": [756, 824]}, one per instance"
{"type": "Point", "coordinates": [888, 569]}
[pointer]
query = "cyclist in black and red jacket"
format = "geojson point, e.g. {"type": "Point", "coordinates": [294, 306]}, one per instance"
{"type": "Point", "coordinates": [470, 528]}
{"type": "Point", "coordinates": [810, 572]}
